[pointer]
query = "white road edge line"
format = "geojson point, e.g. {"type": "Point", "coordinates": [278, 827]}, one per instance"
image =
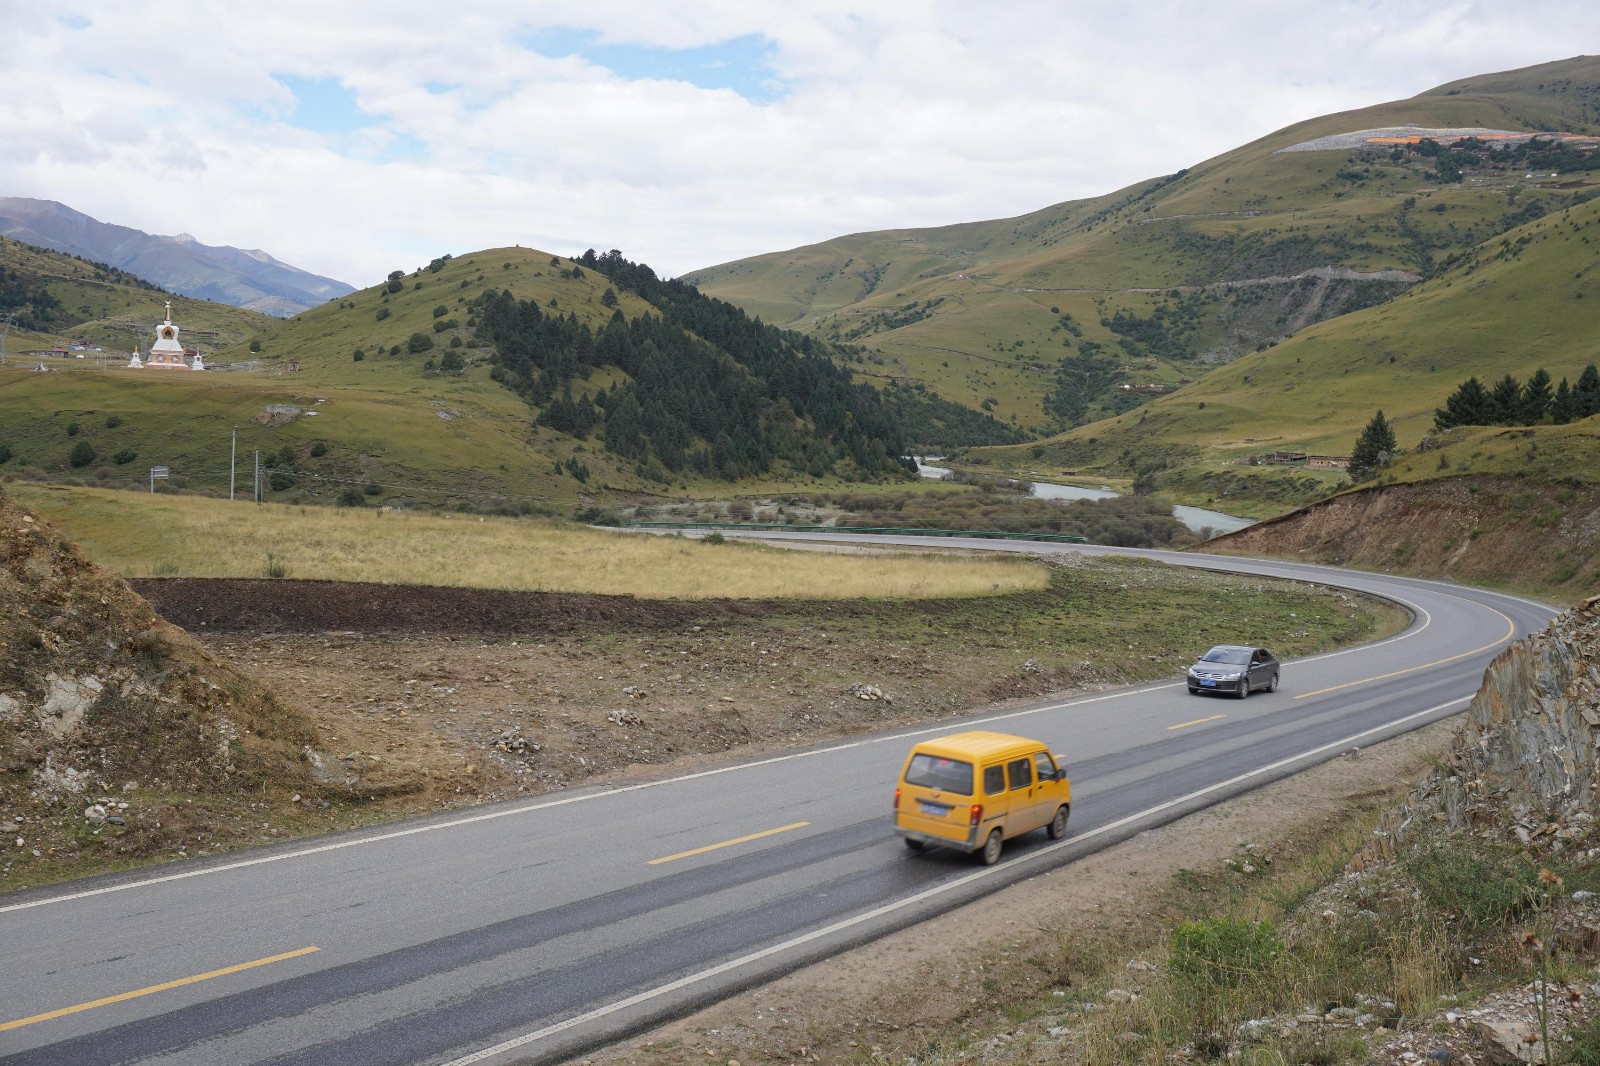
{"type": "Point", "coordinates": [938, 890]}
{"type": "Point", "coordinates": [529, 808]}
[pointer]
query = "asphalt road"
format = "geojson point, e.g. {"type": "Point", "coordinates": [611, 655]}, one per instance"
{"type": "Point", "coordinates": [527, 932]}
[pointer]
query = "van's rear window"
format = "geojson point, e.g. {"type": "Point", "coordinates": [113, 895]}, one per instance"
{"type": "Point", "coordinates": [930, 771]}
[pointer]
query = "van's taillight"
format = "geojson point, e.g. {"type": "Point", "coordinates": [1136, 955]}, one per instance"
{"type": "Point", "coordinates": [897, 799]}
{"type": "Point", "coordinates": [977, 814]}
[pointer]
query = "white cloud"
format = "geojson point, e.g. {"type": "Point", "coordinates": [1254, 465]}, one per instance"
{"type": "Point", "coordinates": [921, 112]}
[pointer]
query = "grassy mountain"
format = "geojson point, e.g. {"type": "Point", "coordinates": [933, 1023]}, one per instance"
{"type": "Point", "coordinates": [481, 381]}
{"type": "Point", "coordinates": [1524, 300]}
{"type": "Point", "coordinates": [55, 299]}
{"type": "Point", "coordinates": [245, 278]}
{"type": "Point", "coordinates": [1149, 288]}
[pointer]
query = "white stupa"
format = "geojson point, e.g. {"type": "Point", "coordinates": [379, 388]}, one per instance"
{"type": "Point", "coordinates": [166, 353]}
{"type": "Point", "coordinates": [135, 363]}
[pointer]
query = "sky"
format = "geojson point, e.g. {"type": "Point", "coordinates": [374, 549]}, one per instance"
{"type": "Point", "coordinates": [353, 138]}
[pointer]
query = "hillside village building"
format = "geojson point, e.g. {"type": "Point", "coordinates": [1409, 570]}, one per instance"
{"type": "Point", "coordinates": [166, 353]}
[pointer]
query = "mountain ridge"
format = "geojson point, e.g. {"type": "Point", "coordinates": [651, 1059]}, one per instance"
{"type": "Point", "coordinates": [247, 278]}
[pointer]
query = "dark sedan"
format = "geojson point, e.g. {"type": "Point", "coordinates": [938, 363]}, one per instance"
{"type": "Point", "coordinates": [1235, 669]}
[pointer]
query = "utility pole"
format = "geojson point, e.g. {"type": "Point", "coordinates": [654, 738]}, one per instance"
{"type": "Point", "coordinates": [3, 331]}
{"type": "Point", "coordinates": [258, 475]}
{"type": "Point", "coordinates": [233, 454]}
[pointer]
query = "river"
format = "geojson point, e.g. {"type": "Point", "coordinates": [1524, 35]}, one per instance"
{"type": "Point", "coordinates": [1196, 518]}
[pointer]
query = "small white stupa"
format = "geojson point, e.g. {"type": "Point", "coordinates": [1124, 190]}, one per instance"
{"type": "Point", "coordinates": [166, 353]}
{"type": "Point", "coordinates": [135, 363]}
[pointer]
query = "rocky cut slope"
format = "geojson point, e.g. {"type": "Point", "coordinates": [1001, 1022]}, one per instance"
{"type": "Point", "coordinates": [118, 732]}
{"type": "Point", "coordinates": [1526, 762]}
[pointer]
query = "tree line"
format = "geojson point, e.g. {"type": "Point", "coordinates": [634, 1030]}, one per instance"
{"type": "Point", "coordinates": [1509, 402]}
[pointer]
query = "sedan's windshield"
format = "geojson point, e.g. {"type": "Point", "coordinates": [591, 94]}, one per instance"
{"type": "Point", "coordinates": [1231, 656]}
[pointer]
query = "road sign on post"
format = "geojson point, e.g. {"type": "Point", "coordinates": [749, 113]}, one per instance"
{"type": "Point", "coordinates": [157, 472]}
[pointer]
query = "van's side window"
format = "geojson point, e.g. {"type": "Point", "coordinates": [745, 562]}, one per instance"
{"type": "Point", "coordinates": [994, 780]}
{"type": "Point", "coordinates": [1046, 765]}
{"type": "Point", "coordinates": [1021, 772]}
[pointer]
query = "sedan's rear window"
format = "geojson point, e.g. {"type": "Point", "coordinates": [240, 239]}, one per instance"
{"type": "Point", "coordinates": [932, 771]}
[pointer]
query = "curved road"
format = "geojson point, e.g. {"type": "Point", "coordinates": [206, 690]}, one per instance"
{"type": "Point", "coordinates": [528, 932]}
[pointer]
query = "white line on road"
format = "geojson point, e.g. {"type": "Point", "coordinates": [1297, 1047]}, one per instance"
{"type": "Point", "coordinates": [949, 886]}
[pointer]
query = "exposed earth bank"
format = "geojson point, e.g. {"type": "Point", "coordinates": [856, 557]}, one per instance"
{"type": "Point", "coordinates": [1507, 532]}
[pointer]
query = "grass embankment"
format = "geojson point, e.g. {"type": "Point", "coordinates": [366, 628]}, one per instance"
{"type": "Point", "coordinates": [144, 535]}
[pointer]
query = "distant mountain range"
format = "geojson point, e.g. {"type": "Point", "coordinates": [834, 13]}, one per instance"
{"type": "Point", "coordinates": [236, 276]}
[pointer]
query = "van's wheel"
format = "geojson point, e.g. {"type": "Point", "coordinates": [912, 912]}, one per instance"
{"type": "Point", "coordinates": [1058, 824]}
{"type": "Point", "coordinates": [914, 845]}
{"type": "Point", "coordinates": [991, 849]}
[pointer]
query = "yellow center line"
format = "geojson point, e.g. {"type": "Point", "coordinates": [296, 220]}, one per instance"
{"type": "Point", "coordinates": [1197, 721]}
{"type": "Point", "coordinates": [729, 843]}
{"type": "Point", "coordinates": [1511, 631]}
{"type": "Point", "coordinates": [136, 993]}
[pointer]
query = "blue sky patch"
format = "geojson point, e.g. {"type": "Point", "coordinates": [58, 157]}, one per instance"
{"type": "Point", "coordinates": [741, 64]}
{"type": "Point", "coordinates": [74, 22]}
{"type": "Point", "coordinates": [324, 105]}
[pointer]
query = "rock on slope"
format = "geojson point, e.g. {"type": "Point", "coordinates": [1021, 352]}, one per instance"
{"type": "Point", "coordinates": [116, 728]}
{"type": "Point", "coordinates": [1526, 762]}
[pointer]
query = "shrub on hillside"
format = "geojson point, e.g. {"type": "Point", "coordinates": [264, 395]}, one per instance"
{"type": "Point", "coordinates": [419, 343]}
{"type": "Point", "coordinates": [82, 454]}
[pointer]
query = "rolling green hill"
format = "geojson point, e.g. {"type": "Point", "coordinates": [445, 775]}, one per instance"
{"type": "Point", "coordinates": [1524, 300]}
{"type": "Point", "coordinates": [56, 299]}
{"type": "Point", "coordinates": [1147, 289]}
{"type": "Point", "coordinates": [507, 379]}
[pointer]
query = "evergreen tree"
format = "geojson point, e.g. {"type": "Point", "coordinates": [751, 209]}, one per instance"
{"type": "Point", "coordinates": [1373, 450]}
{"type": "Point", "coordinates": [1505, 402]}
{"type": "Point", "coordinates": [1469, 405]}
{"type": "Point", "coordinates": [1535, 401]}
{"type": "Point", "coordinates": [1561, 407]}
{"type": "Point", "coordinates": [1586, 394]}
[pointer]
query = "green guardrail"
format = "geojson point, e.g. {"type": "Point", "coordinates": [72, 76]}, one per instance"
{"type": "Point", "coordinates": [1070, 538]}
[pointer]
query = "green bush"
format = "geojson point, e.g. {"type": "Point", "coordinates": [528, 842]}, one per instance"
{"type": "Point", "coordinates": [1482, 886]}
{"type": "Point", "coordinates": [382, 313]}
{"type": "Point", "coordinates": [372, 488]}
{"type": "Point", "coordinates": [113, 421]}
{"type": "Point", "coordinates": [1224, 952]}
{"type": "Point", "coordinates": [440, 311]}
{"type": "Point", "coordinates": [358, 355]}
{"type": "Point", "coordinates": [125, 456]}
{"type": "Point", "coordinates": [82, 454]}
{"type": "Point", "coordinates": [5, 452]}
{"type": "Point", "coordinates": [598, 516]}
{"type": "Point", "coordinates": [281, 480]}
{"type": "Point", "coordinates": [351, 497]}
{"type": "Point", "coordinates": [73, 429]}
{"type": "Point", "coordinates": [419, 343]}
{"type": "Point", "coordinates": [319, 449]}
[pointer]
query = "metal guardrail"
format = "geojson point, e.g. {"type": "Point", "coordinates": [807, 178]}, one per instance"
{"type": "Point", "coordinates": [1071, 538]}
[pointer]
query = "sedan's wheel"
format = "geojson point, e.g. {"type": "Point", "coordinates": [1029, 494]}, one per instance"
{"type": "Point", "coordinates": [1272, 685]}
{"type": "Point", "coordinates": [1244, 687]}
{"type": "Point", "coordinates": [914, 845]}
{"type": "Point", "coordinates": [1058, 825]}
{"type": "Point", "coordinates": [991, 849]}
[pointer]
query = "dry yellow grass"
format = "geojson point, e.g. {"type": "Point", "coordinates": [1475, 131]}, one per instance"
{"type": "Point", "coordinates": [143, 535]}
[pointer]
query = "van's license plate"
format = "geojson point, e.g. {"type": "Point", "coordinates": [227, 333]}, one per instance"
{"type": "Point", "coordinates": [938, 810]}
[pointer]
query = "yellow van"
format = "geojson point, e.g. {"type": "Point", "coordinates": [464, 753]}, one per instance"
{"type": "Point", "coordinates": [974, 791]}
